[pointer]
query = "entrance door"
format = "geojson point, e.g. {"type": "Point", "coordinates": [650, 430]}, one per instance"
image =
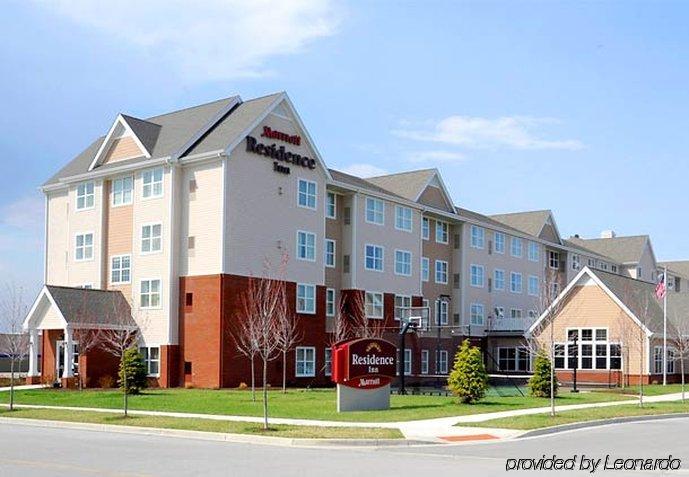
{"type": "Point", "coordinates": [62, 356]}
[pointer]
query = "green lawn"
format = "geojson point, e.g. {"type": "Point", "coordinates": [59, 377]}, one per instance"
{"type": "Point", "coordinates": [297, 403]}
{"type": "Point", "coordinates": [205, 425]}
{"type": "Point", "coordinates": [650, 389]}
{"type": "Point", "coordinates": [538, 421]}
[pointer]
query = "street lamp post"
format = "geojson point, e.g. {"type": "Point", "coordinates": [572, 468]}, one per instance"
{"type": "Point", "coordinates": [576, 363]}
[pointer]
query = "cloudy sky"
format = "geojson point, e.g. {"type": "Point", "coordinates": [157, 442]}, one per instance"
{"type": "Point", "coordinates": [577, 107]}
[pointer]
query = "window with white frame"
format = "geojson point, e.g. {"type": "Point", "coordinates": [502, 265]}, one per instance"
{"type": "Point", "coordinates": [442, 232]}
{"type": "Point", "coordinates": [373, 259]}
{"type": "Point", "coordinates": [514, 359]}
{"type": "Point", "coordinates": [305, 366]}
{"type": "Point", "coordinates": [328, 362]}
{"type": "Point", "coordinates": [306, 196]}
{"type": "Point", "coordinates": [150, 293]}
{"type": "Point", "coordinates": [477, 313]}
{"type": "Point", "coordinates": [151, 355]}
{"type": "Point", "coordinates": [603, 266]}
{"type": "Point", "coordinates": [426, 304]}
{"type": "Point", "coordinates": [424, 361]}
{"type": "Point", "coordinates": [151, 238]}
{"type": "Point", "coordinates": [407, 362]}
{"type": "Point", "coordinates": [83, 247]}
{"type": "Point", "coordinates": [576, 261]}
{"type": "Point", "coordinates": [515, 282]}
{"type": "Point", "coordinates": [306, 298]}
{"type": "Point", "coordinates": [533, 285]}
{"type": "Point", "coordinates": [613, 268]}
{"type": "Point", "coordinates": [499, 242]}
{"type": "Point", "coordinates": [671, 358]}
{"type": "Point", "coordinates": [443, 312]}
{"type": "Point", "coordinates": [554, 290]}
{"type": "Point", "coordinates": [403, 263]}
{"type": "Point", "coordinates": [477, 236]}
{"type": "Point", "coordinates": [425, 228]}
{"type": "Point", "coordinates": [477, 276]}
{"type": "Point", "coordinates": [657, 360]}
{"type": "Point", "coordinates": [152, 183]}
{"type": "Point", "coordinates": [534, 252]}
{"type": "Point", "coordinates": [329, 253]}
{"type": "Point", "coordinates": [331, 205]}
{"type": "Point", "coordinates": [591, 262]}
{"type": "Point", "coordinates": [593, 350]}
{"type": "Point", "coordinates": [373, 305]}
{"type": "Point", "coordinates": [120, 269]}
{"type": "Point", "coordinates": [515, 313]}
{"type": "Point", "coordinates": [85, 195]}
{"type": "Point", "coordinates": [516, 247]}
{"type": "Point", "coordinates": [425, 269]}
{"type": "Point", "coordinates": [442, 362]}
{"type": "Point", "coordinates": [402, 302]}
{"type": "Point", "coordinates": [306, 246]}
{"type": "Point", "coordinates": [122, 191]}
{"type": "Point", "coordinates": [375, 211]}
{"type": "Point", "coordinates": [441, 272]}
{"type": "Point", "coordinates": [553, 259]}
{"type": "Point", "coordinates": [499, 279]}
{"type": "Point", "coordinates": [403, 218]}
{"type": "Point", "coordinates": [330, 302]}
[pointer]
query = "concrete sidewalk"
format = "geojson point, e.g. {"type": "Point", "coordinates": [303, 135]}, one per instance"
{"type": "Point", "coordinates": [23, 386]}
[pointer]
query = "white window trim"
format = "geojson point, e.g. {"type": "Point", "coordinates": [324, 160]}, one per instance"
{"type": "Point", "coordinates": [327, 291]}
{"type": "Point", "coordinates": [495, 281]}
{"type": "Point", "coordinates": [408, 361]}
{"type": "Point", "coordinates": [315, 240]}
{"type": "Point", "coordinates": [382, 302]}
{"type": "Point", "coordinates": [148, 361]}
{"type": "Point", "coordinates": [495, 241]}
{"type": "Point", "coordinates": [428, 269]}
{"type": "Point", "coordinates": [521, 247]}
{"type": "Point", "coordinates": [538, 251]}
{"type": "Point", "coordinates": [439, 308]}
{"type": "Point", "coordinates": [538, 285]}
{"type": "Point", "coordinates": [411, 218]}
{"type": "Point", "coordinates": [296, 353]}
{"type": "Point", "coordinates": [327, 215]}
{"type": "Point", "coordinates": [521, 282]}
{"type": "Point", "coordinates": [160, 294]}
{"type": "Point", "coordinates": [162, 184]}
{"type": "Point", "coordinates": [315, 205]}
{"type": "Point", "coordinates": [483, 237]}
{"type": "Point", "coordinates": [76, 196]}
{"type": "Point", "coordinates": [411, 265]}
{"type": "Point", "coordinates": [93, 246]}
{"type": "Point", "coordinates": [435, 272]}
{"type": "Point", "coordinates": [424, 365]}
{"type": "Point", "coordinates": [366, 211]}
{"type": "Point", "coordinates": [141, 238]}
{"type": "Point", "coordinates": [483, 314]}
{"type": "Point", "coordinates": [447, 229]}
{"type": "Point", "coordinates": [382, 258]}
{"type": "Point", "coordinates": [483, 275]}
{"type": "Point", "coordinates": [315, 299]}
{"type": "Point", "coordinates": [125, 255]}
{"type": "Point", "coordinates": [404, 297]}
{"type": "Point", "coordinates": [428, 230]}
{"type": "Point", "coordinates": [443, 367]}
{"type": "Point", "coordinates": [326, 361]}
{"type": "Point", "coordinates": [325, 252]}
{"type": "Point", "coordinates": [112, 191]}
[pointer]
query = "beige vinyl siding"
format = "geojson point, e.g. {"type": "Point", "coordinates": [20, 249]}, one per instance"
{"type": "Point", "coordinates": [58, 237]}
{"type": "Point", "coordinates": [121, 149]}
{"type": "Point", "coordinates": [85, 221]}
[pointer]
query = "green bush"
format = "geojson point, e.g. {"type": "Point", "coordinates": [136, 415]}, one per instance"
{"type": "Point", "coordinates": [539, 384]}
{"type": "Point", "coordinates": [468, 379]}
{"type": "Point", "coordinates": [133, 363]}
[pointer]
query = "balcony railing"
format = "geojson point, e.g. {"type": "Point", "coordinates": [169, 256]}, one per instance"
{"type": "Point", "coordinates": [509, 324]}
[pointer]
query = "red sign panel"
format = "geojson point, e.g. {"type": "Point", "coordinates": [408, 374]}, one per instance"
{"type": "Point", "coordinates": [364, 363]}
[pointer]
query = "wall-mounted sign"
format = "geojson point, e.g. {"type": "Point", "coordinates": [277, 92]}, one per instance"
{"type": "Point", "coordinates": [279, 154]}
{"type": "Point", "coordinates": [364, 363]}
{"type": "Point", "coordinates": [272, 134]}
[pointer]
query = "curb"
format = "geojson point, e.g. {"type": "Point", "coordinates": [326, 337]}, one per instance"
{"type": "Point", "coordinates": [210, 436]}
{"type": "Point", "coordinates": [598, 423]}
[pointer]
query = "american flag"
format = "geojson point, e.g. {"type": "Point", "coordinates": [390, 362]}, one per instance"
{"type": "Point", "coordinates": [661, 289]}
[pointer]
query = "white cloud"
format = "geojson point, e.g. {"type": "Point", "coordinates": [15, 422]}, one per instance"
{"type": "Point", "coordinates": [436, 157]}
{"type": "Point", "coordinates": [25, 214]}
{"type": "Point", "coordinates": [514, 132]}
{"type": "Point", "coordinates": [364, 170]}
{"type": "Point", "coordinates": [207, 39]}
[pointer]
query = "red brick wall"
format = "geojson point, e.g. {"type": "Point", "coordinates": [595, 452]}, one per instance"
{"type": "Point", "coordinates": [95, 364]}
{"type": "Point", "coordinates": [48, 354]}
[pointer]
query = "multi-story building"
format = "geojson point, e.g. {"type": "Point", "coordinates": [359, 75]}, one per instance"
{"type": "Point", "coordinates": [171, 215]}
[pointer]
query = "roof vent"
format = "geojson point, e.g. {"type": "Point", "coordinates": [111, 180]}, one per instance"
{"type": "Point", "coordinates": [608, 234]}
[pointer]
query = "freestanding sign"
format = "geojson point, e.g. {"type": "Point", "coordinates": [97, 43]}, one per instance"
{"type": "Point", "coordinates": [363, 369]}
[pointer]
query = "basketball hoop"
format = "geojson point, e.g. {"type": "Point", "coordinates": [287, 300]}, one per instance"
{"type": "Point", "coordinates": [418, 316]}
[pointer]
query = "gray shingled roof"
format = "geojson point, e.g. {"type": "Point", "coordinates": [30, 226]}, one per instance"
{"type": "Point", "coordinates": [146, 131]}
{"type": "Point", "coordinates": [680, 267]}
{"type": "Point", "coordinates": [84, 307]}
{"type": "Point", "coordinates": [405, 184]}
{"type": "Point", "coordinates": [360, 183]}
{"type": "Point", "coordinates": [620, 249]}
{"type": "Point", "coordinates": [530, 222]}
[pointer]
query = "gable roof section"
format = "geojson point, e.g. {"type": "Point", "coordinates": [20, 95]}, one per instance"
{"type": "Point", "coordinates": [530, 222]}
{"type": "Point", "coordinates": [624, 250]}
{"type": "Point", "coordinates": [146, 132]}
{"type": "Point", "coordinates": [412, 184]}
{"type": "Point", "coordinates": [362, 184]}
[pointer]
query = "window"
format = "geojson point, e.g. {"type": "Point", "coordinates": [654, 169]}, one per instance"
{"type": "Point", "coordinates": [534, 252]}
{"type": "Point", "coordinates": [153, 183]}
{"type": "Point", "coordinates": [85, 196]}
{"type": "Point", "coordinates": [591, 262]}
{"type": "Point", "coordinates": [477, 314]}
{"type": "Point", "coordinates": [638, 273]}
{"type": "Point", "coordinates": [424, 361]}
{"type": "Point", "coordinates": [331, 205]}
{"type": "Point", "coordinates": [407, 362]}
{"type": "Point", "coordinates": [440, 272]}
{"type": "Point", "coordinates": [150, 293]}
{"type": "Point", "coordinates": [533, 285]}
{"type": "Point", "coordinates": [516, 247]}
{"type": "Point", "coordinates": [554, 290]}
{"type": "Point", "coordinates": [601, 356]}
{"type": "Point", "coordinates": [671, 357]}
{"type": "Point", "coordinates": [375, 211]}
{"type": "Point", "coordinates": [499, 242]}
{"type": "Point", "coordinates": [403, 218]}
{"type": "Point", "coordinates": [576, 262]}
{"type": "Point", "coordinates": [477, 276]}
{"type": "Point", "coordinates": [330, 302]}
{"type": "Point", "coordinates": [442, 315]}
{"type": "Point", "coordinates": [442, 232]}
{"type": "Point", "coordinates": [374, 258]}
{"type": "Point", "coordinates": [306, 298]}
{"type": "Point", "coordinates": [189, 299]}
{"type": "Point", "coordinates": [658, 360]}
{"type": "Point", "coordinates": [402, 302]}
{"type": "Point", "coordinates": [592, 350]}
{"type": "Point", "coordinates": [374, 305]}
{"type": "Point", "coordinates": [559, 352]}
{"type": "Point", "coordinates": [615, 356]}
{"type": "Point", "coordinates": [515, 282]}
{"type": "Point", "coordinates": [613, 268]}
{"type": "Point", "coordinates": [329, 253]}
{"type": "Point", "coordinates": [516, 313]}
{"type": "Point", "coordinates": [306, 246]}
{"type": "Point", "coordinates": [403, 263]}
{"type": "Point", "coordinates": [305, 361]}
{"type": "Point", "coordinates": [122, 191]}
{"type": "Point", "coordinates": [151, 357]}
{"type": "Point", "coordinates": [477, 236]}
{"type": "Point", "coordinates": [499, 279]}
{"type": "Point", "coordinates": [425, 269]}
{"type": "Point", "coordinates": [120, 269]}
{"type": "Point", "coordinates": [307, 194]}
{"type": "Point", "coordinates": [442, 362]}
{"type": "Point", "coordinates": [604, 266]}
{"type": "Point", "coordinates": [328, 359]}
{"type": "Point", "coordinates": [425, 228]}
{"type": "Point", "coordinates": [586, 356]}
{"type": "Point", "coordinates": [84, 247]}
{"type": "Point", "coordinates": [514, 359]}
{"type": "Point", "coordinates": [553, 259]}
{"type": "Point", "coordinates": [151, 238]}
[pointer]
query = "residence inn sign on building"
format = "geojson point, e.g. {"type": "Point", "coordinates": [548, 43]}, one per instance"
{"type": "Point", "coordinates": [167, 217]}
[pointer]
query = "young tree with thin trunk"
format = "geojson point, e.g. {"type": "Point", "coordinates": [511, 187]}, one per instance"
{"type": "Point", "coordinates": [361, 325]}
{"type": "Point", "coordinates": [288, 335]}
{"type": "Point", "coordinates": [13, 310]}
{"type": "Point", "coordinates": [679, 333]}
{"type": "Point", "coordinates": [246, 338]}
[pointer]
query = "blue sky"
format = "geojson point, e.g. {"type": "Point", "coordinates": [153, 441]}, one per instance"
{"type": "Point", "coordinates": [579, 107]}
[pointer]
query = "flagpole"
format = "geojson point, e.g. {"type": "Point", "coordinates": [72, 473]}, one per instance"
{"type": "Point", "coordinates": [665, 282]}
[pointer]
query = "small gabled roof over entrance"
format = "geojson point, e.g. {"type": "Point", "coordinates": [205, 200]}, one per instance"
{"type": "Point", "coordinates": [58, 307]}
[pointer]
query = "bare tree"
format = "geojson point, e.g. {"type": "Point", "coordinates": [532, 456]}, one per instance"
{"type": "Point", "coordinates": [13, 310]}
{"type": "Point", "coordinates": [288, 335]}
{"type": "Point", "coordinates": [246, 338]}
{"type": "Point", "coordinates": [679, 332]}
{"type": "Point", "coordinates": [84, 332]}
{"type": "Point", "coordinates": [120, 333]}
{"type": "Point", "coordinates": [361, 325]}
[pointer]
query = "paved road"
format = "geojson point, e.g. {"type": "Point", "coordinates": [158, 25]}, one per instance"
{"type": "Point", "coordinates": [33, 451]}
